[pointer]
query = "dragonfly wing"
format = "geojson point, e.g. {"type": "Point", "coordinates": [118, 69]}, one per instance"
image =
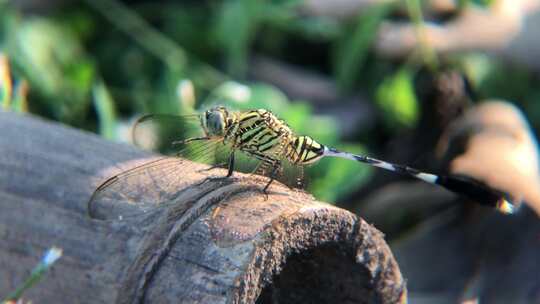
{"type": "Point", "coordinates": [286, 172]}
{"type": "Point", "coordinates": [159, 132]}
{"type": "Point", "coordinates": [292, 175]}
{"type": "Point", "coordinates": [153, 182]}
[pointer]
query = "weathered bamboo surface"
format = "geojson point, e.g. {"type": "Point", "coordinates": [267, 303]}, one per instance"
{"type": "Point", "coordinates": [220, 241]}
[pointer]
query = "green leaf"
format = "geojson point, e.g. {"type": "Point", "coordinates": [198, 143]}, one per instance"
{"type": "Point", "coordinates": [243, 97]}
{"type": "Point", "coordinates": [352, 50]}
{"type": "Point", "coordinates": [235, 29]}
{"type": "Point", "coordinates": [142, 32]}
{"type": "Point", "coordinates": [397, 99]}
{"type": "Point", "coordinates": [53, 60]}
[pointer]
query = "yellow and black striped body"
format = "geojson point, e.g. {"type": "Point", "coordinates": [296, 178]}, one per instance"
{"type": "Point", "coordinates": [303, 150]}
{"type": "Point", "coordinates": [262, 135]}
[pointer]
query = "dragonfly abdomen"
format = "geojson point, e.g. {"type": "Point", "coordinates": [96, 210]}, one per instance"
{"type": "Point", "coordinates": [304, 150]}
{"type": "Point", "coordinates": [262, 134]}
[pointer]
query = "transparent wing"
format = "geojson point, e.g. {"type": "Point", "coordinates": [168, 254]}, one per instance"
{"type": "Point", "coordinates": [163, 132]}
{"type": "Point", "coordinates": [179, 135]}
{"type": "Point", "coordinates": [155, 182]}
{"type": "Point", "coordinates": [287, 173]}
{"type": "Point", "coordinates": [293, 175]}
{"type": "Point", "coordinates": [290, 174]}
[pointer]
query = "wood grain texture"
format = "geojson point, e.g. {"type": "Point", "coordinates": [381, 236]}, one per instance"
{"type": "Point", "coordinates": [220, 241]}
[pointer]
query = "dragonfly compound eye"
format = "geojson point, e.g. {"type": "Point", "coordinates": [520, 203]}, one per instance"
{"type": "Point", "coordinates": [215, 122]}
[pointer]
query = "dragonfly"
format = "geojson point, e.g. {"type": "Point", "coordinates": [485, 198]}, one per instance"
{"type": "Point", "coordinates": [220, 136]}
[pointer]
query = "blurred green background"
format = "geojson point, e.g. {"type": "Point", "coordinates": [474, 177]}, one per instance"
{"type": "Point", "coordinates": [96, 65]}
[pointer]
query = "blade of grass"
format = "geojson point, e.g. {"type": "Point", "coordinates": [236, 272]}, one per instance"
{"type": "Point", "coordinates": [426, 51]}
{"type": "Point", "coordinates": [105, 110]}
{"type": "Point", "coordinates": [20, 98]}
{"type": "Point", "coordinates": [139, 30]}
{"type": "Point", "coordinates": [161, 46]}
{"type": "Point", "coordinates": [353, 49]}
{"type": "Point", "coordinates": [242, 18]}
{"type": "Point", "coordinates": [50, 257]}
{"type": "Point", "coordinates": [6, 89]}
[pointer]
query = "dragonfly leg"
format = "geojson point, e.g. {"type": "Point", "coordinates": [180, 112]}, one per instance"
{"type": "Point", "coordinates": [186, 141]}
{"type": "Point", "coordinates": [231, 164]}
{"type": "Point", "coordinates": [300, 178]}
{"type": "Point", "coordinates": [220, 165]}
{"type": "Point", "coordinates": [298, 182]}
{"type": "Point", "coordinates": [275, 169]}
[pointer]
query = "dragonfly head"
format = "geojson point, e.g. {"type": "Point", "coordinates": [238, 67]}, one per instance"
{"type": "Point", "coordinates": [215, 121]}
